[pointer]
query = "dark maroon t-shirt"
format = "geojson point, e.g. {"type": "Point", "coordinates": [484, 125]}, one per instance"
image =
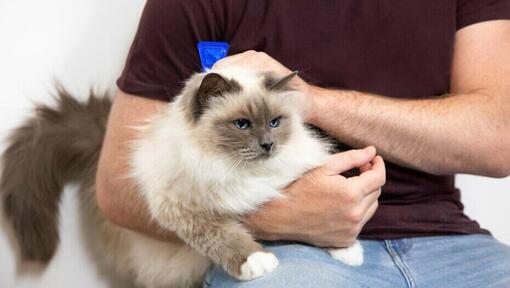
{"type": "Point", "coordinates": [394, 48]}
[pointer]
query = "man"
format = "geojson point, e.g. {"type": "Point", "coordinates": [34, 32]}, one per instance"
{"type": "Point", "coordinates": [428, 84]}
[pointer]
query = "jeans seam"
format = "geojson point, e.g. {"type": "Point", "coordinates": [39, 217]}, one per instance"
{"type": "Point", "coordinates": [399, 262]}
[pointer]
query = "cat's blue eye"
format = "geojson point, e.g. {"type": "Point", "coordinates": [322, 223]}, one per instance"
{"type": "Point", "coordinates": [242, 123]}
{"type": "Point", "coordinates": [275, 122]}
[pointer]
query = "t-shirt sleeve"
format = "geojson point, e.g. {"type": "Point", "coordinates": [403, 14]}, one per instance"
{"type": "Point", "coordinates": [474, 11]}
{"type": "Point", "coordinates": [163, 53]}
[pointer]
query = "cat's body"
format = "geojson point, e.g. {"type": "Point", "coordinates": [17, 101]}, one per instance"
{"type": "Point", "coordinates": [197, 171]}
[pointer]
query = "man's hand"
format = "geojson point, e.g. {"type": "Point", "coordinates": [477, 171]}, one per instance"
{"type": "Point", "coordinates": [324, 208]}
{"type": "Point", "coordinates": [253, 60]}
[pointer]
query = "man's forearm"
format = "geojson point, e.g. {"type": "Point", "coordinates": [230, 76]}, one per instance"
{"type": "Point", "coordinates": [116, 193]}
{"type": "Point", "coordinates": [466, 133]}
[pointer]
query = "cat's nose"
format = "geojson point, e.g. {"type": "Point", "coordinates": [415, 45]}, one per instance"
{"type": "Point", "coordinates": [267, 146]}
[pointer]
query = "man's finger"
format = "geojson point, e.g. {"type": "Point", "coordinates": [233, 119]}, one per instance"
{"type": "Point", "coordinates": [370, 199]}
{"type": "Point", "coordinates": [372, 179]}
{"type": "Point", "coordinates": [233, 58]}
{"type": "Point", "coordinates": [370, 212]}
{"type": "Point", "coordinates": [341, 162]}
{"type": "Point", "coordinates": [365, 167]}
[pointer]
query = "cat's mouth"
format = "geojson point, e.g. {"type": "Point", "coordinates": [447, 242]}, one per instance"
{"type": "Point", "coordinates": [258, 155]}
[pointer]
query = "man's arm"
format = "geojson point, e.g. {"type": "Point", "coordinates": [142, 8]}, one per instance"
{"type": "Point", "coordinates": [116, 193]}
{"type": "Point", "coordinates": [465, 132]}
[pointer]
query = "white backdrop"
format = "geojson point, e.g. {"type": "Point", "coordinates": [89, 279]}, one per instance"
{"type": "Point", "coordinates": [84, 43]}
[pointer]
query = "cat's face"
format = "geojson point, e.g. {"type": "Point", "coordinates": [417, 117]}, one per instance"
{"type": "Point", "coordinates": [244, 123]}
{"type": "Point", "coordinates": [253, 130]}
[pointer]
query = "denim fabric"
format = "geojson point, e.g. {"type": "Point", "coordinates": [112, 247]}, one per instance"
{"type": "Point", "coordinates": [446, 261]}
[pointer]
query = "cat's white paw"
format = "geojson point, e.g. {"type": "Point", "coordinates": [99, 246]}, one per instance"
{"type": "Point", "coordinates": [258, 264]}
{"type": "Point", "coordinates": [352, 255]}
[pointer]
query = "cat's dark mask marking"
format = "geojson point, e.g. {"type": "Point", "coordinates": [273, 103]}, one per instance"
{"type": "Point", "coordinates": [273, 83]}
{"type": "Point", "coordinates": [212, 85]}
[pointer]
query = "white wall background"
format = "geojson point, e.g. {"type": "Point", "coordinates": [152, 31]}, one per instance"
{"type": "Point", "coordinates": [84, 43]}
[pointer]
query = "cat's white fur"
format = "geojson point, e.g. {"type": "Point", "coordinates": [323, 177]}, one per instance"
{"type": "Point", "coordinates": [170, 167]}
{"type": "Point", "coordinates": [168, 153]}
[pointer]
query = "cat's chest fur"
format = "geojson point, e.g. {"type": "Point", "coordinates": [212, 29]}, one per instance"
{"type": "Point", "coordinates": [243, 188]}
{"type": "Point", "coordinates": [249, 189]}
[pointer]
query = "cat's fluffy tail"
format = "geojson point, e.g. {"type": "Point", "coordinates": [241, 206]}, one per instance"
{"type": "Point", "coordinates": [54, 146]}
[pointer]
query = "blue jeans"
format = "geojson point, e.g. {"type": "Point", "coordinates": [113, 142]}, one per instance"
{"type": "Point", "coordinates": [445, 261]}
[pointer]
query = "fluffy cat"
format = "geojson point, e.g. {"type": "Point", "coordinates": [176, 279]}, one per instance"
{"type": "Point", "coordinates": [230, 141]}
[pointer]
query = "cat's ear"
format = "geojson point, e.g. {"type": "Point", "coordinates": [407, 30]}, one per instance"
{"type": "Point", "coordinates": [280, 84]}
{"type": "Point", "coordinates": [213, 85]}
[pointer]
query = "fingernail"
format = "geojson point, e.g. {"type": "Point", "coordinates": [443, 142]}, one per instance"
{"type": "Point", "coordinates": [370, 149]}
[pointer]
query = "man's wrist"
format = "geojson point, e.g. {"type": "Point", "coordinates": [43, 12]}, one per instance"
{"type": "Point", "coordinates": [314, 100]}
{"type": "Point", "coordinates": [321, 100]}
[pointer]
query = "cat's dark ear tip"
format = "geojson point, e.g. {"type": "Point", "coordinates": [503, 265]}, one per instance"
{"type": "Point", "coordinates": [212, 75]}
{"type": "Point", "coordinates": [211, 80]}
{"type": "Point", "coordinates": [282, 83]}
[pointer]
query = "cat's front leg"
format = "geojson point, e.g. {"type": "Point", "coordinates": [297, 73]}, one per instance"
{"type": "Point", "coordinates": [226, 243]}
{"type": "Point", "coordinates": [352, 255]}
{"type": "Point", "coordinates": [229, 244]}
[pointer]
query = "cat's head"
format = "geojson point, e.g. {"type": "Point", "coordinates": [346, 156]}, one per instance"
{"type": "Point", "coordinates": [242, 115]}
